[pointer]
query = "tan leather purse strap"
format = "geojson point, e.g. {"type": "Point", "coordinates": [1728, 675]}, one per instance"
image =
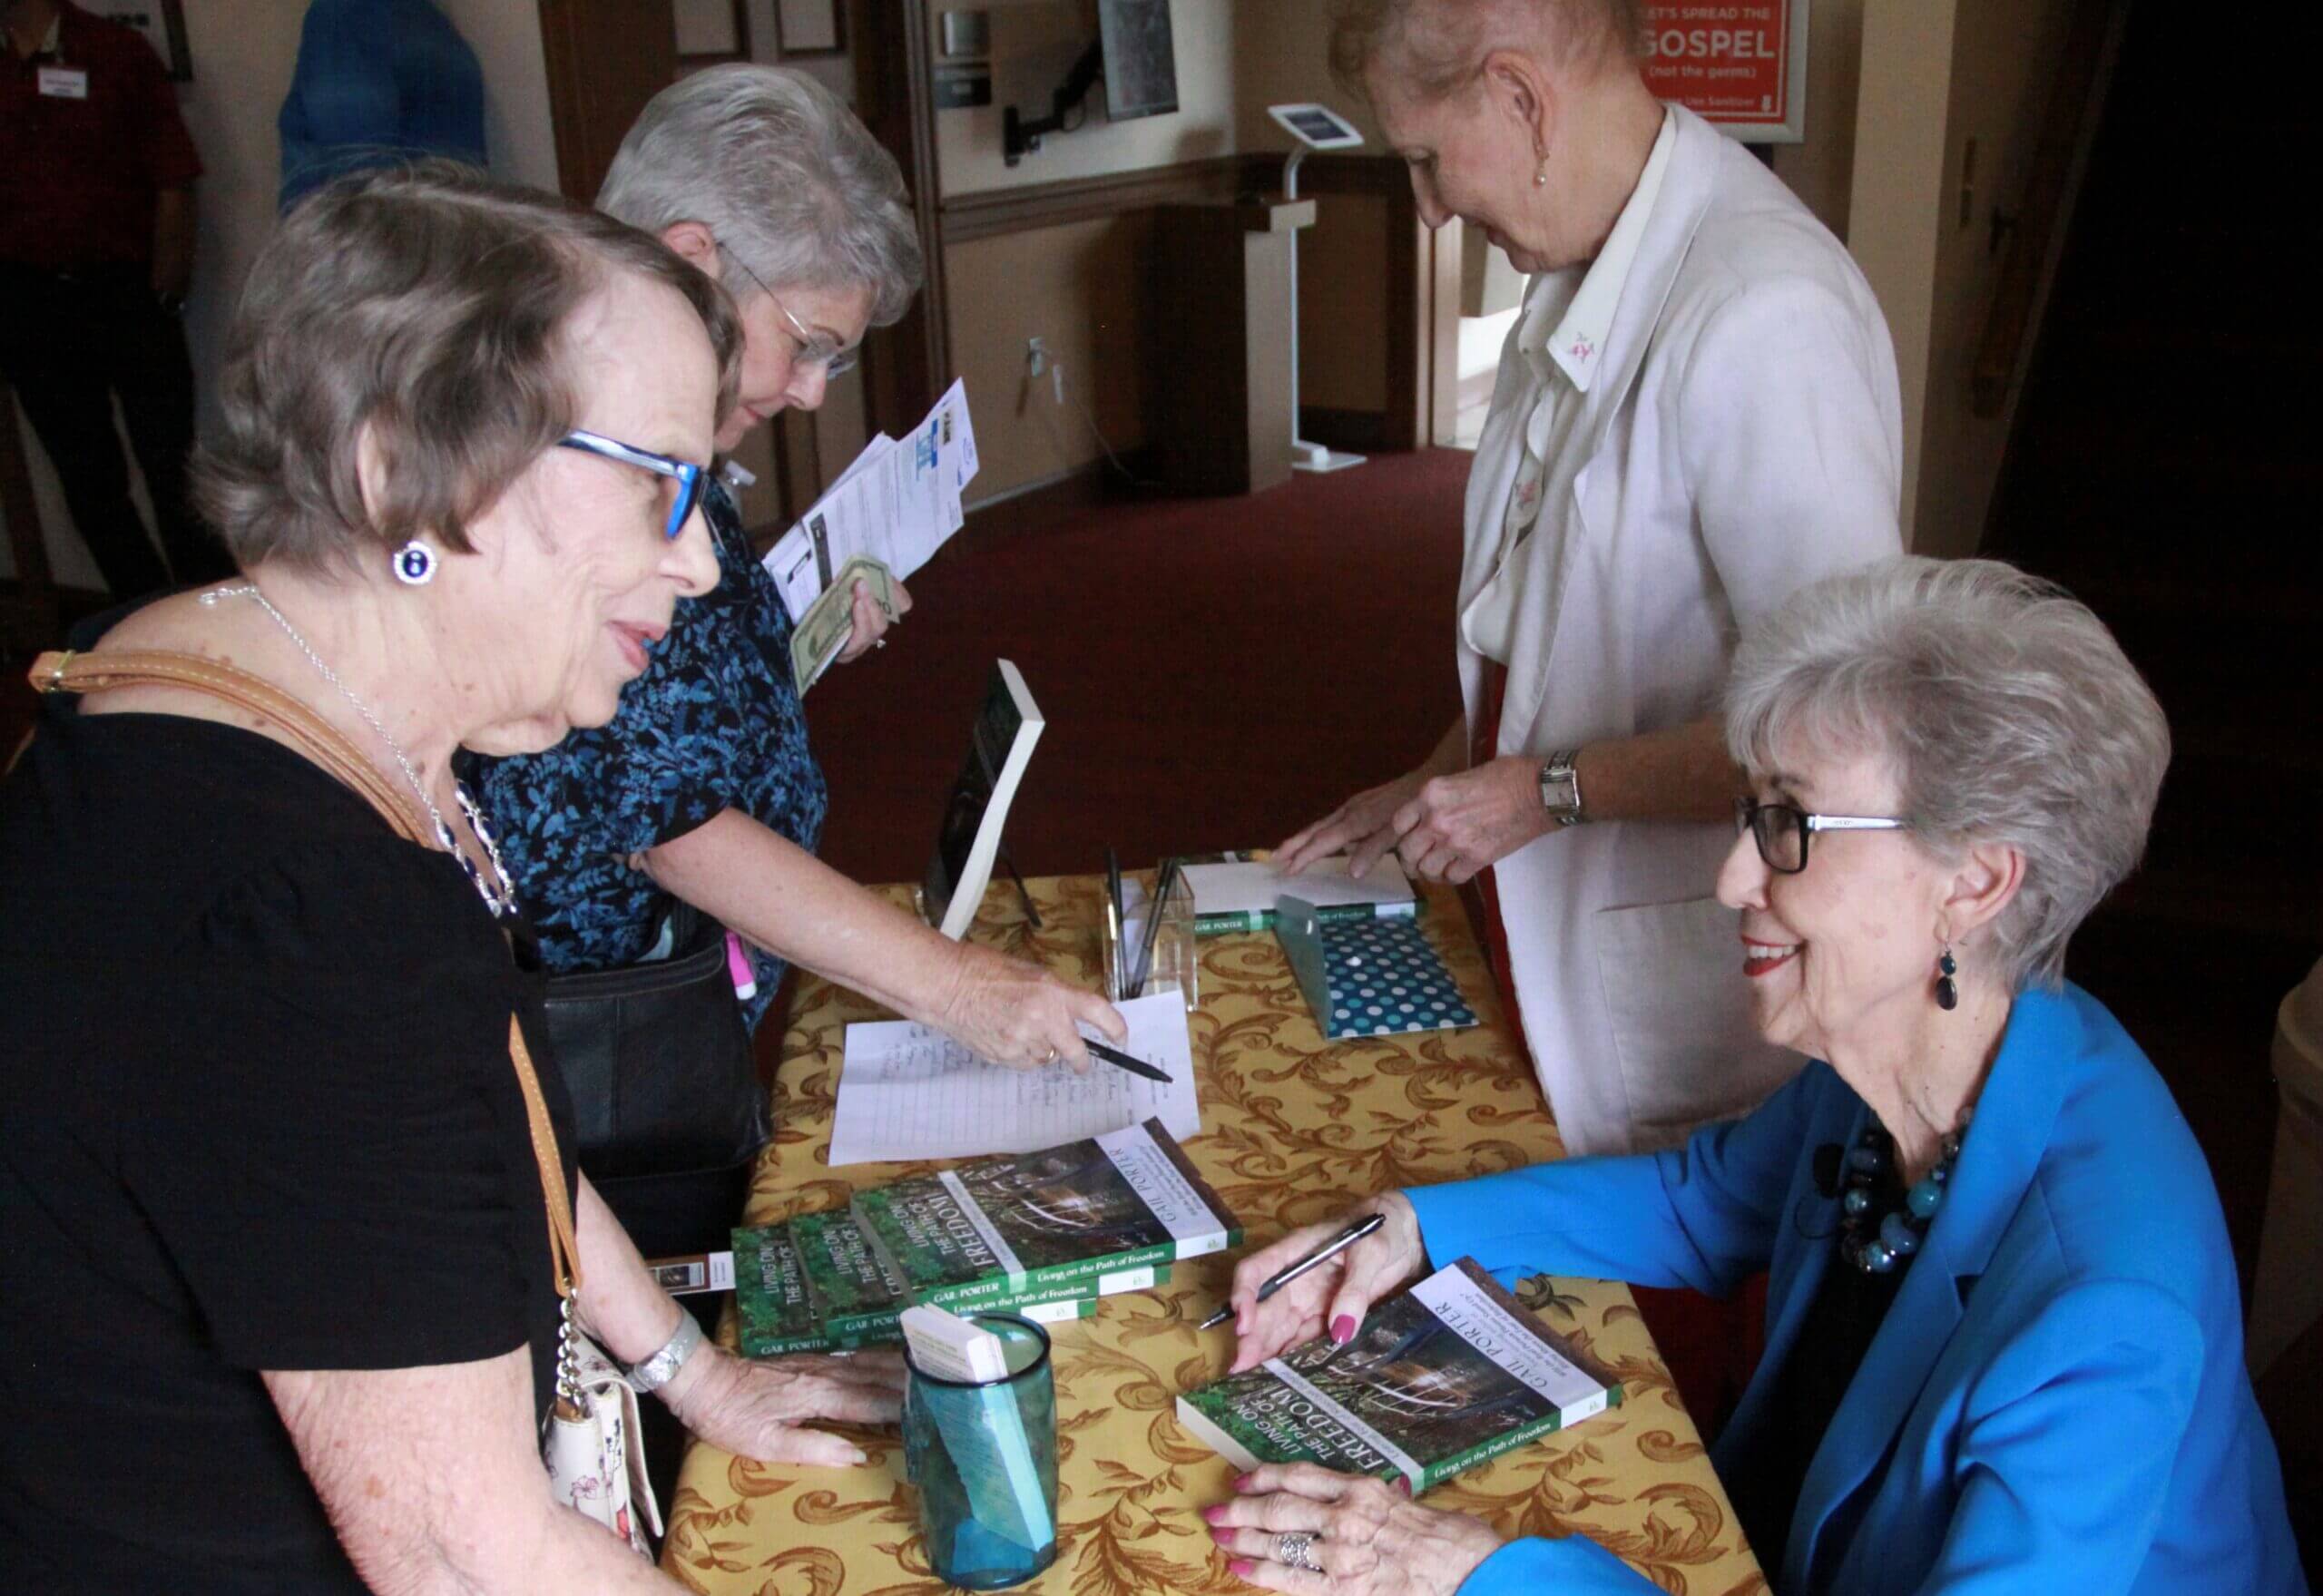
{"type": "Point", "coordinates": [315, 737]}
{"type": "Point", "coordinates": [327, 746]}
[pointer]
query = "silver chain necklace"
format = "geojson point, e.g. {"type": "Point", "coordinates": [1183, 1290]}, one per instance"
{"type": "Point", "coordinates": [499, 893]}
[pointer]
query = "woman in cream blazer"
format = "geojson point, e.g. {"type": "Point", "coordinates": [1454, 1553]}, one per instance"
{"type": "Point", "coordinates": [1696, 414]}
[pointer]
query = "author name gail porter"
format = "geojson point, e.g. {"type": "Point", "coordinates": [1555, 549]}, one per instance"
{"type": "Point", "coordinates": [2004, 1332]}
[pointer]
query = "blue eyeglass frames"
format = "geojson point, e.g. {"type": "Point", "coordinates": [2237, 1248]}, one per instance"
{"type": "Point", "coordinates": [690, 478]}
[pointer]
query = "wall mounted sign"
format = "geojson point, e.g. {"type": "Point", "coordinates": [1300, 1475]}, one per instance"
{"type": "Point", "coordinates": [1739, 65]}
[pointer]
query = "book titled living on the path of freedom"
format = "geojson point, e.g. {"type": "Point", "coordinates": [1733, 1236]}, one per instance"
{"type": "Point", "coordinates": [1060, 1221]}
{"type": "Point", "coordinates": [1447, 1376]}
{"type": "Point", "coordinates": [812, 1284]}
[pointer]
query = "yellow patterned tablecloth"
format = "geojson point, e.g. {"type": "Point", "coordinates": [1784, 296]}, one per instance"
{"type": "Point", "coordinates": [1293, 1130]}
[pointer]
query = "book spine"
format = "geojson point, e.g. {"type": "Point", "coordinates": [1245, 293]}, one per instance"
{"type": "Point", "coordinates": [1460, 1463]}
{"type": "Point", "coordinates": [1053, 1281]}
{"type": "Point", "coordinates": [777, 1345]}
{"type": "Point", "coordinates": [1230, 921]}
{"type": "Point", "coordinates": [1233, 921]}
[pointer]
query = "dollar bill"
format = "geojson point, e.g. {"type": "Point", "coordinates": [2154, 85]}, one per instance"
{"type": "Point", "coordinates": [823, 630]}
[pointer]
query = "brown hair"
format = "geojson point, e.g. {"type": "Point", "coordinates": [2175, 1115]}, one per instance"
{"type": "Point", "coordinates": [1435, 45]}
{"type": "Point", "coordinates": [427, 305]}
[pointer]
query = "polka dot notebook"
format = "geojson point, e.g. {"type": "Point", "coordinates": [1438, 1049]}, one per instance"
{"type": "Point", "coordinates": [1378, 977]}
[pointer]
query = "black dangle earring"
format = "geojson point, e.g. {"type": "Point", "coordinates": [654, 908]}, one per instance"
{"type": "Point", "coordinates": [1947, 991]}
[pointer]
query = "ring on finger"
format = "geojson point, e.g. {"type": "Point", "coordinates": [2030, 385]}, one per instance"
{"type": "Point", "coordinates": [1050, 1057]}
{"type": "Point", "coordinates": [1297, 1550]}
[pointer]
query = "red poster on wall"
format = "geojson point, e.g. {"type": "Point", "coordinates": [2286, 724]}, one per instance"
{"type": "Point", "coordinates": [1741, 65]}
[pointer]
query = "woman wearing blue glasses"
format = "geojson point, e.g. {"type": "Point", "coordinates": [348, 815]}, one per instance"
{"type": "Point", "coordinates": [704, 789]}
{"type": "Point", "coordinates": [2004, 1334]}
{"type": "Point", "coordinates": [277, 1194]}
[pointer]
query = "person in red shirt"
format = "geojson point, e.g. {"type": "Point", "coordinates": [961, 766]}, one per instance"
{"type": "Point", "coordinates": [96, 252]}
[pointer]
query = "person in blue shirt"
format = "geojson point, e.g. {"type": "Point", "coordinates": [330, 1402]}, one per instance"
{"type": "Point", "coordinates": [2004, 1332]}
{"type": "Point", "coordinates": [704, 787]}
{"type": "Point", "coordinates": [379, 82]}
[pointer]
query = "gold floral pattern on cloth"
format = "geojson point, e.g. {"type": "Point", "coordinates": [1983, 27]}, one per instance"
{"type": "Point", "coordinates": [1294, 1129]}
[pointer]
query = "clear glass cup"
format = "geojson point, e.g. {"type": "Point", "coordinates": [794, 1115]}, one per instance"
{"type": "Point", "coordinates": [1175, 963]}
{"type": "Point", "coordinates": [984, 1458]}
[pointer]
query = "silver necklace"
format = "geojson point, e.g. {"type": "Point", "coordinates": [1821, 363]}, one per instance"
{"type": "Point", "coordinates": [499, 893]}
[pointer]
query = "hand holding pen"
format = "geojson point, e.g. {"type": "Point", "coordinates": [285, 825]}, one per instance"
{"type": "Point", "coordinates": [1323, 1288]}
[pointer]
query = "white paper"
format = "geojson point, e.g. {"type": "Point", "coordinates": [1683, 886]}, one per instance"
{"type": "Point", "coordinates": [907, 1090]}
{"type": "Point", "coordinates": [898, 503]}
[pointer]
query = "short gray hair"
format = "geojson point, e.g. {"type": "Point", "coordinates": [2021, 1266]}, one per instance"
{"type": "Point", "coordinates": [2007, 710]}
{"type": "Point", "coordinates": [1437, 46]}
{"type": "Point", "coordinates": [782, 173]}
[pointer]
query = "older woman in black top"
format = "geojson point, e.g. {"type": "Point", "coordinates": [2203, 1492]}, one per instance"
{"type": "Point", "coordinates": [275, 1294]}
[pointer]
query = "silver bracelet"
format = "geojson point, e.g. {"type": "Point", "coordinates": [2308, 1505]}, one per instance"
{"type": "Point", "coordinates": [659, 1370]}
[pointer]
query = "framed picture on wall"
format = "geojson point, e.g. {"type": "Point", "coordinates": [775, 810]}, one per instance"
{"type": "Point", "coordinates": [160, 23]}
{"type": "Point", "coordinates": [711, 31]}
{"type": "Point", "coordinates": [809, 27]}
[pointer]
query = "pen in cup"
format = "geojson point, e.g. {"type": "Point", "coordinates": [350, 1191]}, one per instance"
{"type": "Point", "coordinates": [1323, 1254]}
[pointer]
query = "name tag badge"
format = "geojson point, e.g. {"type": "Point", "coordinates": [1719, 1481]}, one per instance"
{"type": "Point", "coordinates": [65, 83]}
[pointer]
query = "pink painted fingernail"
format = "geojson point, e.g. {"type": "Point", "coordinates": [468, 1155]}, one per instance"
{"type": "Point", "coordinates": [1215, 1513]}
{"type": "Point", "coordinates": [1221, 1534]}
{"type": "Point", "coordinates": [1238, 1569]}
{"type": "Point", "coordinates": [1241, 1481]}
{"type": "Point", "coordinates": [1343, 1329]}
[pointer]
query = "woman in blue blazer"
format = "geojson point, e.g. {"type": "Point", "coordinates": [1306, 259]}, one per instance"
{"type": "Point", "coordinates": [2004, 1348]}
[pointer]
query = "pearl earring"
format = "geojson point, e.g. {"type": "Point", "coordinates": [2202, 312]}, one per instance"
{"type": "Point", "coordinates": [1541, 175]}
{"type": "Point", "coordinates": [415, 563]}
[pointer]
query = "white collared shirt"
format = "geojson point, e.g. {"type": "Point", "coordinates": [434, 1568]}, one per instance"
{"type": "Point", "coordinates": [1561, 337]}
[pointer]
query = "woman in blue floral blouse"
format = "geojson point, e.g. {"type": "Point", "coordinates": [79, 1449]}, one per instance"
{"type": "Point", "coordinates": [703, 788]}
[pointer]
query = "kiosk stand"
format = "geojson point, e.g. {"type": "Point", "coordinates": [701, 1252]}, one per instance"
{"type": "Point", "coordinates": [1316, 127]}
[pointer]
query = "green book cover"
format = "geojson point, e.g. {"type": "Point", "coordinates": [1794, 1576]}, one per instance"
{"type": "Point", "coordinates": [1231, 921]}
{"type": "Point", "coordinates": [1046, 1223]}
{"type": "Point", "coordinates": [853, 1292]}
{"type": "Point", "coordinates": [772, 1302]}
{"type": "Point", "coordinates": [1438, 1380]}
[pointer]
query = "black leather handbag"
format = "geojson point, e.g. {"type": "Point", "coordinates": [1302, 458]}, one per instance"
{"type": "Point", "coordinates": [668, 1109]}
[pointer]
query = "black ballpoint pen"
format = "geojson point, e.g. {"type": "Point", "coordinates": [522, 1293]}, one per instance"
{"type": "Point", "coordinates": [1330, 1250]}
{"type": "Point", "coordinates": [1122, 1060]}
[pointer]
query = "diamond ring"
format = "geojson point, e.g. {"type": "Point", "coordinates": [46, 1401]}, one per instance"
{"type": "Point", "coordinates": [1297, 1552]}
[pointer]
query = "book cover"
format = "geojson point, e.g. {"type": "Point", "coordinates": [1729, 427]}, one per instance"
{"type": "Point", "coordinates": [1445, 1376]}
{"type": "Point", "coordinates": [772, 1307]}
{"type": "Point", "coordinates": [1046, 1222]}
{"type": "Point", "coordinates": [854, 1293]}
{"type": "Point", "coordinates": [1000, 746]}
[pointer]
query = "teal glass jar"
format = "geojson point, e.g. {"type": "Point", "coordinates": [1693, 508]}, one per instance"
{"type": "Point", "coordinates": [983, 1459]}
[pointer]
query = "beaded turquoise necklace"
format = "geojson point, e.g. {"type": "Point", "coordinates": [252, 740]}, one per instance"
{"type": "Point", "coordinates": [1877, 1242]}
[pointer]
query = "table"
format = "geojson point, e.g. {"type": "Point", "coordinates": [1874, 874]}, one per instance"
{"type": "Point", "coordinates": [1294, 1130]}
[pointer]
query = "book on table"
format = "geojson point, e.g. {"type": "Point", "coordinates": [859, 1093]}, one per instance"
{"type": "Point", "coordinates": [1064, 1220]}
{"type": "Point", "coordinates": [1438, 1380]}
{"type": "Point", "coordinates": [1000, 746]}
{"type": "Point", "coordinates": [1235, 892]}
{"type": "Point", "coordinates": [812, 1284]}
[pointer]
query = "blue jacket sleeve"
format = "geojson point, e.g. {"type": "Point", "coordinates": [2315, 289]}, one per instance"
{"type": "Point", "coordinates": [2066, 1449]}
{"type": "Point", "coordinates": [1703, 1215]}
{"type": "Point", "coordinates": [1576, 1565]}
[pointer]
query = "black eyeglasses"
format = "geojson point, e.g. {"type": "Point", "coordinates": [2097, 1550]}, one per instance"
{"type": "Point", "coordinates": [690, 478]}
{"type": "Point", "coordinates": [1781, 830]}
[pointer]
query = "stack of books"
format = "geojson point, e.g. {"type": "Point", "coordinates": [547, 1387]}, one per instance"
{"type": "Point", "coordinates": [1041, 1234]}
